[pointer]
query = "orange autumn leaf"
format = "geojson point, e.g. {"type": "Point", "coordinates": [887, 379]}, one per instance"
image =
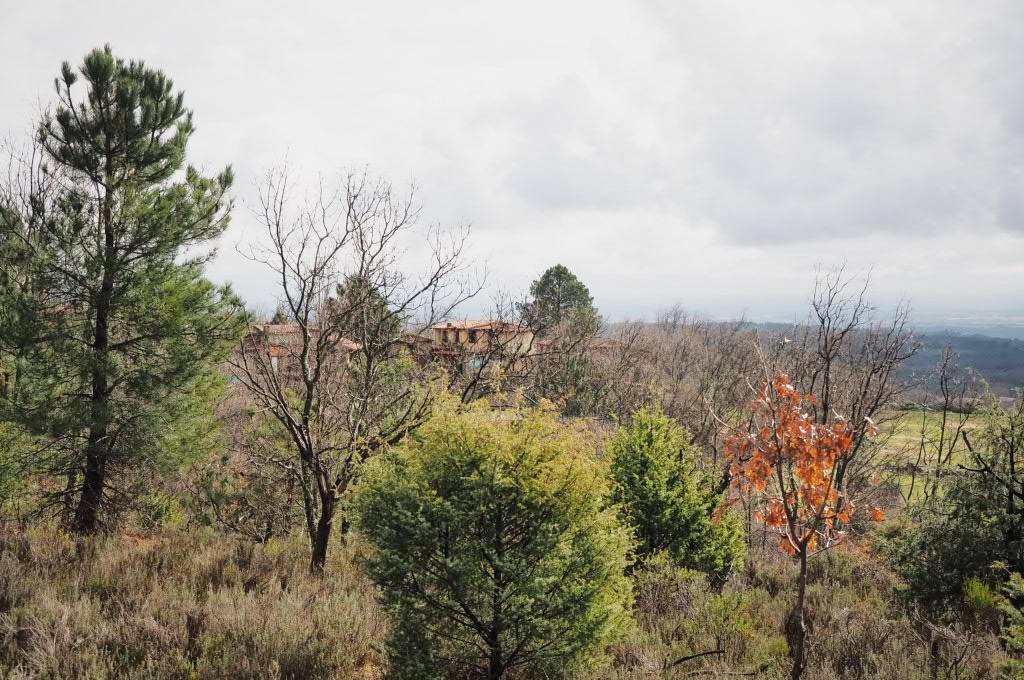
{"type": "Point", "coordinates": [812, 542]}
{"type": "Point", "coordinates": [786, 546]}
{"type": "Point", "coordinates": [788, 463]}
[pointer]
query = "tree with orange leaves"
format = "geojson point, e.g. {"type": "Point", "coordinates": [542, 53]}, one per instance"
{"type": "Point", "coordinates": [789, 463]}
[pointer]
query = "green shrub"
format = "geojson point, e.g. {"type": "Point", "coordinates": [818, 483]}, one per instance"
{"type": "Point", "coordinates": [1010, 604]}
{"type": "Point", "coordinates": [982, 604]}
{"type": "Point", "coordinates": [157, 509]}
{"type": "Point", "coordinates": [666, 500]}
{"type": "Point", "coordinates": [972, 522]}
{"type": "Point", "coordinates": [496, 550]}
{"type": "Point", "coordinates": [681, 614]}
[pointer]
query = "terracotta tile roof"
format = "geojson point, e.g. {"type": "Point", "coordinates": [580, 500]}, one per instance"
{"type": "Point", "coordinates": [413, 338]}
{"type": "Point", "coordinates": [479, 324]}
{"type": "Point", "coordinates": [282, 334]}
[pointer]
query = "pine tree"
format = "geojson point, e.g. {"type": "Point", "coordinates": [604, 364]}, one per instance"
{"type": "Point", "coordinates": [280, 316]}
{"type": "Point", "coordinates": [667, 501]}
{"type": "Point", "coordinates": [561, 311]}
{"type": "Point", "coordinates": [560, 305]}
{"type": "Point", "coordinates": [495, 548]}
{"type": "Point", "coordinates": [124, 323]}
{"type": "Point", "coordinates": [362, 313]}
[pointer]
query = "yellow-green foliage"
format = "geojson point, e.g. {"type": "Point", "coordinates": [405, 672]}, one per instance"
{"type": "Point", "coordinates": [496, 549]}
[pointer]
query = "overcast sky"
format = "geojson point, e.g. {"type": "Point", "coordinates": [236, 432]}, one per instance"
{"type": "Point", "coordinates": [708, 153]}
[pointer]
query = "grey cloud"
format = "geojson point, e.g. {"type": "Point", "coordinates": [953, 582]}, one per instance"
{"type": "Point", "coordinates": [815, 126]}
{"type": "Point", "coordinates": [712, 151]}
{"type": "Point", "coordinates": [571, 154]}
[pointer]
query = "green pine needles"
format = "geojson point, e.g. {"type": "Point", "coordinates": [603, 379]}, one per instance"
{"type": "Point", "coordinates": [496, 549]}
{"type": "Point", "coordinates": [667, 501]}
{"type": "Point", "coordinates": [114, 318]}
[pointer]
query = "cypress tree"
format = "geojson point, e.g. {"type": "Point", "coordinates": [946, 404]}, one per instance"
{"type": "Point", "coordinates": [124, 325]}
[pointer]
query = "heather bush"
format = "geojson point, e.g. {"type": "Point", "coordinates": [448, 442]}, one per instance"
{"type": "Point", "coordinates": [172, 605]}
{"type": "Point", "coordinates": [175, 604]}
{"type": "Point", "coordinates": [859, 627]}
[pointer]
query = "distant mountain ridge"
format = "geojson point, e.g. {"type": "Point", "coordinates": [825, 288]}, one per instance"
{"type": "Point", "coordinates": [1002, 327]}
{"type": "Point", "coordinates": [999, 360]}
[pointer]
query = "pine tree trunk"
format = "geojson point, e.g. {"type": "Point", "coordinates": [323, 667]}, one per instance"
{"type": "Point", "coordinates": [96, 452]}
{"type": "Point", "coordinates": [94, 477]}
{"type": "Point", "coordinates": [91, 495]}
{"type": "Point", "coordinates": [495, 670]}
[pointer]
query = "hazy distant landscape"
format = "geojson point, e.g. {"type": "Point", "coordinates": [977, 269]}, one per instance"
{"type": "Point", "coordinates": [999, 360]}
{"type": "Point", "coordinates": [994, 328]}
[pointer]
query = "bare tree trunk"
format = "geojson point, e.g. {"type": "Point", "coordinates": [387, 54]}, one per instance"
{"type": "Point", "coordinates": [322, 538]}
{"type": "Point", "coordinates": [308, 502]}
{"type": "Point", "coordinates": [798, 623]}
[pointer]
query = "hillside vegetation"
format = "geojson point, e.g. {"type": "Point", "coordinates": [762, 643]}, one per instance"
{"type": "Point", "coordinates": [189, 603]}
{"type": "Point", "coordinates": [367, 485]}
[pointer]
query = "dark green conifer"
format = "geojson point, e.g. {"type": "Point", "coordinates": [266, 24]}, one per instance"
{"type": "Point", "coordinates": [124, 324]}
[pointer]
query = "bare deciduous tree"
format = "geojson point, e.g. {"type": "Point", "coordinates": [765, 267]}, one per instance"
{"type": "Point", "coordinates": [847, 358]}
{"type": "Point", "coordinates": [937, 443]}
{"type": "Point", "coordinates": [623, 366]}
{"type": "Point", "coordinates": [704, 370]}
{"type": "Point", "coordinates": [334, 379]}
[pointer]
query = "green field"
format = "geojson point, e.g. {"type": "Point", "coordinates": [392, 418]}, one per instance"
{"type": "Point", "coordinates": [911, 441]}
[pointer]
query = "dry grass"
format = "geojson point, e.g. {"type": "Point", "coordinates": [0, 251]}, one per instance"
{"type": "Point", "coordinates": [860, 628]}
{"type": "Point", "coordinates": [177, 605]}
{"type": "Point", "coordinates": [200, 605]}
